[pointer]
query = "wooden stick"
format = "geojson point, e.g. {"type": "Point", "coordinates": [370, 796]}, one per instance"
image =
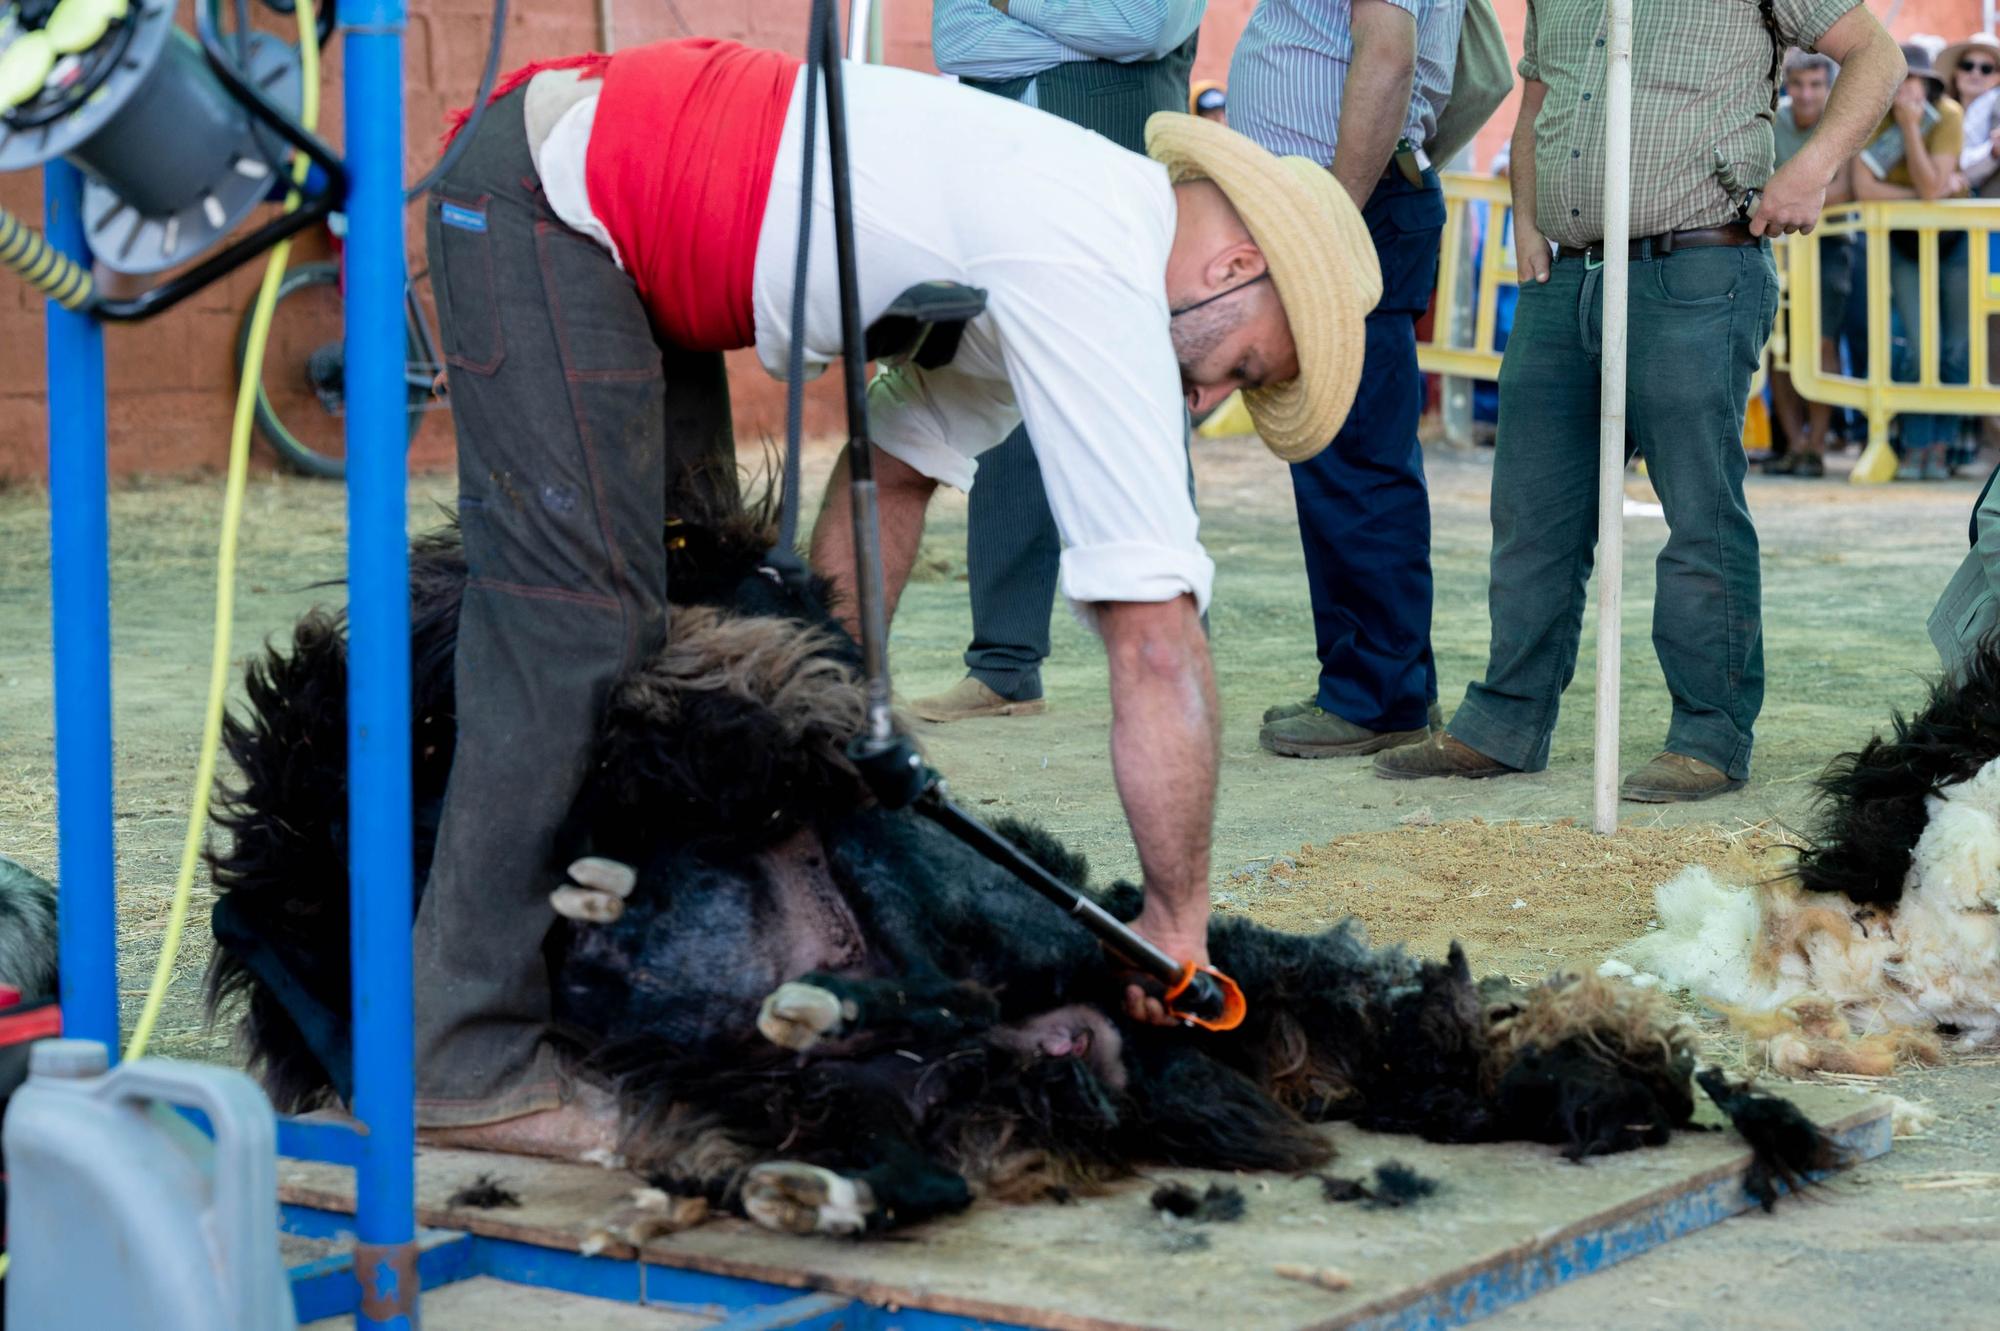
{"type": "Point", "coordinates": [1611, 437]}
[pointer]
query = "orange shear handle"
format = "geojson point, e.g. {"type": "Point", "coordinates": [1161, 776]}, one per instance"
{"type": "Point", "coordinates": [1234, 1005]}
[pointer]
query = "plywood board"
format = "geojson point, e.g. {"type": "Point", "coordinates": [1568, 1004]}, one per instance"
{"type": "Point", "coordinates": [485, 1304]}
{"type": "Point", "coordinates": [1507, 1221]}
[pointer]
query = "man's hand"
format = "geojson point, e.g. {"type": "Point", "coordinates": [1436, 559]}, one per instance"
{"type": "Point", "coordinates": [1531, 252]}
{"type": "Point", "coordinates": [1180, 937]}
{"type": "Point", "coordinates": [1794, 197]}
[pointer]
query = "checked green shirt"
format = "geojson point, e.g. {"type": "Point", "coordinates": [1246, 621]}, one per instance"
{"type": "Point", "coordinates": [1701, 108]}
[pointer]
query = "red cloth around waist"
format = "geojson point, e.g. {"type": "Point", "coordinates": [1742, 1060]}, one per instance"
{"type": "Point", "coordinates": [679, 170]}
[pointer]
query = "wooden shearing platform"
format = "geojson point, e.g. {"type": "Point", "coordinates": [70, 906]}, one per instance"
{"type": "Point", "coordinates": [1507, 1222]}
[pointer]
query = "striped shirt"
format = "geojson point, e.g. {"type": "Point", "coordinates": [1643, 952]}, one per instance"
{"type": "Point", "coordinates": [1290, 72]}
{"type": "Point", "coordinates": [974, 40]}
{"type": "Point", "coordinates": [1701, 108]}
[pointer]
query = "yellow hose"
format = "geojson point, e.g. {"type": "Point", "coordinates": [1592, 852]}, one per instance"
{"type": "Point", "coordinates": [41, 265]}
{"type": "Point", "coordinates": [225, 559]}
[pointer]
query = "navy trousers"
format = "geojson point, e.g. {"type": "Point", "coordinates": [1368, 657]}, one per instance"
{"type": "Point", "coordinates": [1364, 511]}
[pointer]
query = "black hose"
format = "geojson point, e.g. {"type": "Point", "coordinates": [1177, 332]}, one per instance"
{"type": "Point", "coordinates": [487, 78]}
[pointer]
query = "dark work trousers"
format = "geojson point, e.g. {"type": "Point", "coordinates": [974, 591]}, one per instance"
{"type": "Point", "coordinates": [578, 436]}
{"type": "Point", "coordinates": [1012, 552]}
{"type": "Point", "coordinates": [1697, 320]}
{"type": "Point", "coordinates": [1364, 510]}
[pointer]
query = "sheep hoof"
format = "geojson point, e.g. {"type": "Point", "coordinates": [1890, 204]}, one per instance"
{"type": "Point", "coordinates": [605, 875]}
{"type": "Point", "coordinates": [798, 1015]}
{"type": "Point", "coordinates": [806, 1199]}
{"type": "Point", "coordinates": [587, 904]}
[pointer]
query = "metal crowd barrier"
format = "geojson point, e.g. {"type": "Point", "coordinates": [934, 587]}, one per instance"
{"type": "Point", "coordinates": [1476, 213]}
{"type": "Point", "coordinates": [1878, 395]}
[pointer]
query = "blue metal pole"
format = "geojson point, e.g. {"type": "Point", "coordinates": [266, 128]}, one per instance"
{"type": "Point", "coordinates": [378, 699]}
{"type": "Point", "coordinates": [80, 577]}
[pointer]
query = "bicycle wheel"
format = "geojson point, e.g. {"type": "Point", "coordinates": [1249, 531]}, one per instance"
{"type": "Point", "coordinates": [302, 395]}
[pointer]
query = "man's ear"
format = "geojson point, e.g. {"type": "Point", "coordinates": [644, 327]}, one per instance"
{"type": "Point", "coordinates": [1238, 263]}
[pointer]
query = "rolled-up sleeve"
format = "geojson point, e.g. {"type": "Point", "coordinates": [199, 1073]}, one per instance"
{"type": "Point", "coordinates": [1803, 22]}
{"type": "Point", "coordinates": [1530, 67]}
{"type": "Point", "coordinates": [1093, 369]}
{"type": "Point", "coordinates": [937, 420]}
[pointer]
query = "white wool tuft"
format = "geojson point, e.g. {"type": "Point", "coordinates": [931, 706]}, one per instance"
{"type": "Point", "coordinates": [1707, 936]}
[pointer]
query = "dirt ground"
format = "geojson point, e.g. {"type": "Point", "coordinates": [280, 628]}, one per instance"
{"type": "Point", "coordinates": [1504, 865]}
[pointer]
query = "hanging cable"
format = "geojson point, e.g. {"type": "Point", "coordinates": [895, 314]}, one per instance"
{"type": "Point", "coordinates": [464, 135]}
{"type": "Point", "coordinates": [225, 558]}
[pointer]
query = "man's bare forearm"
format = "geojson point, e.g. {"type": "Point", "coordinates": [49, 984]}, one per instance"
{"type": "Point", "coordinates": [1871, 68]}
{"type": "Point", "coordinates": [1376, 99]}
{"type": "Point", "coordinates": [1521, 156]}
{"type": "Point", "coordinates": [1165, 746]}
{"type": "Point", "coordinates": [902, 495]}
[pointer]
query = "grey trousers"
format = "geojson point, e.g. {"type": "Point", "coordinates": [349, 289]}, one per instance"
{"type": "Point", "coordinates": [1697, 322]}
{"type": "Point", "coordinates": [578, 436]}
{"type": "Point", "coordinates": [1012, 551]}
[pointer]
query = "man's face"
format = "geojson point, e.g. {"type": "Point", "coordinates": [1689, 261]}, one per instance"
{"type": "Point", "coordinates": [1807, 88]}
{"type": "Point", "coordinates": [1232, 338]}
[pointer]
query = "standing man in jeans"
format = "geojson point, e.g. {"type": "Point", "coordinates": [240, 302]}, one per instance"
{"type": "Point", "coordinates": [1702, 296]}
{"type": "Point", "coordinates": [1358, 84]}
{"type": "Point", "coordinates": [1106, 68]}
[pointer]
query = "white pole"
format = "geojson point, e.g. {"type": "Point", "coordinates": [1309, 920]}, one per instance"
{"type": "Point", "coordinates": [1611, 437]}
{"type": "Point", "coordinates": [863, 25]}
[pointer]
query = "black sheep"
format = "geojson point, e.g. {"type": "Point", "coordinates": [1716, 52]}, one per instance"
{"type": "Point", "coordinates": [838, 1018]}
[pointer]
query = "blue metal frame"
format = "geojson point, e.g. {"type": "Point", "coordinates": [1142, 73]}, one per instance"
{"type": "Point", "coordinates": [383, 1151]}
{"type": "Point", "coordinates": [378, 699]}
{"type": "Point", "coordinates": [80, 595]}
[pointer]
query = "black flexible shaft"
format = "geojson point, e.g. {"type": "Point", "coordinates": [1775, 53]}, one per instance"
{"type": "Point", "coordinates": [795, 361]}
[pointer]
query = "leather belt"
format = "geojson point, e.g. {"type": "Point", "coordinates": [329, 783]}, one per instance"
{"type": "Point", "coordinates": [1733, 233]}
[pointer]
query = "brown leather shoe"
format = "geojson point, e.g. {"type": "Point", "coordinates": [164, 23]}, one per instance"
{"type": "Point", "coordinates": [1440, 755]}
{"type": "Point", "coordinates": [971, 698]}
{"type": "Point", "coordinates": [1675, 778]}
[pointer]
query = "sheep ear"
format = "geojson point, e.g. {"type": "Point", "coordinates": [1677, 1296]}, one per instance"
{"type": "Point", "coordinates": [604, 875]}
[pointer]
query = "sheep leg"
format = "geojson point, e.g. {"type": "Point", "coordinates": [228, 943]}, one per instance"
{"type": "Point", "coordinates": [803, 1012]}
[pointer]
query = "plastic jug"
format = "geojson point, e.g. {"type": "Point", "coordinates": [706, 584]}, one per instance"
{"type": "Point", "coordinates": [121, 1213]}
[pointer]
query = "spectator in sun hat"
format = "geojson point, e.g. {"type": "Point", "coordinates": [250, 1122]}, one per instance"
{"type": "Point", "coordinates": [1971, 70]}
{"type": "Point", "coordinates": [1914, 154]}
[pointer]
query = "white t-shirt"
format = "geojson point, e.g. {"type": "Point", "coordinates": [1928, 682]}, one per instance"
{"type": "Point", "coordinates": [1068, 235]}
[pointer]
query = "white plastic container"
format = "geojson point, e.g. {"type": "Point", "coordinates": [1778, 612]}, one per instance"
{"type": "Point", "coordinates": [121, 1213]}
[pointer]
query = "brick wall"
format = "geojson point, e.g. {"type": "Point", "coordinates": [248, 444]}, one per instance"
{"type": "Point", "coordinates": [171, 380]}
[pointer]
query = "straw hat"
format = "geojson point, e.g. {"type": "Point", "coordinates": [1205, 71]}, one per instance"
{"type": "Point", "coordinates": [1947, 59]}
{"type": "Point", "coordinates": [1322, 264]}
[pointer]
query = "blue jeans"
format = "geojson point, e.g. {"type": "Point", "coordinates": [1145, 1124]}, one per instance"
{"type": "Point", "coordinates": [1697, 323]}
{"type": "Point", "coordinates": [1364, 510]}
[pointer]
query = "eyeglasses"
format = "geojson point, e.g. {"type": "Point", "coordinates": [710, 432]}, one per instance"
{"type": "Point", "coordinates": [1228, 291]}
{"type": "Point", "coordinates": [1982, 67]}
